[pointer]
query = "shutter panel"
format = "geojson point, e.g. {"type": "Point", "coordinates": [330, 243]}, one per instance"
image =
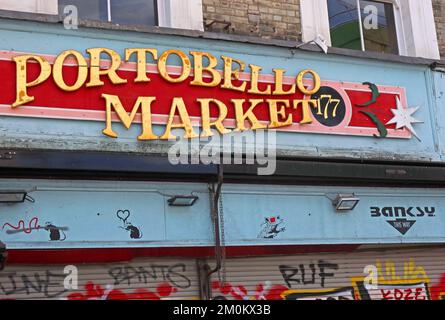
{"type": "Point", "coordinates": [138, 279]}
{"type": "Point", "coordinates": [401, 274]}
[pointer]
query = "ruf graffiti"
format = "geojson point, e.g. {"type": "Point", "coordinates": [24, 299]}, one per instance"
{"type": "Point", "coordinates": [308, 274]}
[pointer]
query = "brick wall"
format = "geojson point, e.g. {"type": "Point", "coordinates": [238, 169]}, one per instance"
{"type": "Point", "coordinates": [269, 19]}
{"type": "Point", "coordinates": [439, 14]}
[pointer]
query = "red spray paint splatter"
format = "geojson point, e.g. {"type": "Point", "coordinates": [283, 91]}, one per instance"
{"type": "Point", "coordinates": [438, 291]}
{"type": "Point", "coordinates": [240, 292]}
{"type": "Point", "coordinates": [95, 292]}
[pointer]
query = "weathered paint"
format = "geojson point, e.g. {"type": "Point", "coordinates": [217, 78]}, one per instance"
{"type": "Point", "coordinates": [136, 214]}
{"type": "Point", "coordinates": [81, 135]}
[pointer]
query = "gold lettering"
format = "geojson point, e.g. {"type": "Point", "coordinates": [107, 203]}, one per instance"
{"type": "Point", "coordinates": [162, 66]}
{"type": "Point", "coordinates": [178, 104]}
{"type": "Point", "coordinates": [96, 71]}
{"type": "Point", "coordinates": [21, 83]}
{"type": "Point", "coordinates": [229, 73]}
{"type": "Point", "coordinates": [141, 56]}
{"type": "Point", "coordinates": [82, 72]}
{"type": "Point", "coordinates": [255, 74]}
{"type": "Point", "coordinates": [306, 109]}
{"type": "Point", "coordinates": [279, 73]}
{"type": "Point", "coordinates": [113, 101]}
{"type": "Point", "coordinates": [199, 70]}
{"type": "Point", "coordinates": [316, 79]}
{"type": "Point", "coordinates": [205, 114]}
{"type": "Point", "coordinates": [278, 113]}
{"type": "Point", "coordinates": [242, 116]}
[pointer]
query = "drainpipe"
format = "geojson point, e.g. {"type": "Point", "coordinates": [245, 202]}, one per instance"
{"type": "Point", "coordinates": [3, 255]}
{"type": "Point", "coordinates": [214, 199]}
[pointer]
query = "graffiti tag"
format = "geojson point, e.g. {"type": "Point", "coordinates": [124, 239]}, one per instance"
{"type": "Point", "coordinates": [308, 274]}
{"type": "Point", "coordinates": [172, 274]}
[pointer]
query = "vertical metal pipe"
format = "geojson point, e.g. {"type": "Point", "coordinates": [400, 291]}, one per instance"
{"type": "Point", "coordinates": [214, 198]}
{"type": "Point", "coordinates": [109, 10]}
{"type": "Point", "coordinates": [3, 255]}
{"type": "Point", "coordinates": [204, 283]}
{"type": "Point", "coordinates": [362, 35]}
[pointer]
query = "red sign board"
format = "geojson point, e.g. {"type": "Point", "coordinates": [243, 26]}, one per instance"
{"type": "Point", "coordinates": [343, 108]}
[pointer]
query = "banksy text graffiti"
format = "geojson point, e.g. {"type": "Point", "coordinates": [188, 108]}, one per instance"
{"type": "Point", "coordinates": [404, 217]}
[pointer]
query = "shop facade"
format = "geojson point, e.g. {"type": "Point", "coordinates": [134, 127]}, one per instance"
{"type": "Point", "coordinates": [85, 143]}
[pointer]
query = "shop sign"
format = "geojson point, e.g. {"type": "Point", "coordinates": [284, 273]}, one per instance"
{"type": "Point", "coordinates": [219, 94]}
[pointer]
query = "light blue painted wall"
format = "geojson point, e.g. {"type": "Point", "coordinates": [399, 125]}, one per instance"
{"type": "Point", "coordinates": [83, 135]}
{"type": "Point", "coordinates": [89, 210]}
{"type": "Point", "coordinates": [307, 213]}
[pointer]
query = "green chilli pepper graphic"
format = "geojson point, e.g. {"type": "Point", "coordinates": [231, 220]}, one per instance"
{"type": "Point", "coordinates": [375, 94]}
{"type": "Point", "coordinates": [380, 126]}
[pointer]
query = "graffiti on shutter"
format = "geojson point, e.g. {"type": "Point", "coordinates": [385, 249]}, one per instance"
{"type": "Point", "coordinates": [362, 275]}
{"type": "Point", "coordinates": [144, 279]}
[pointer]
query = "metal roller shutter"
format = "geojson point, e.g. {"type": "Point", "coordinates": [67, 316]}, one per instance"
{"type": "Point", "coordinates": [400, 274]}
{"type": "Point", "coordinates": [138, 279]}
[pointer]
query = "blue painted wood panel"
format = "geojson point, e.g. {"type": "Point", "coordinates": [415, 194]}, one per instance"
{"type": "Point", "coordinates": [295, 215]}
{"type": "Point", "coordinates": [86, 135]}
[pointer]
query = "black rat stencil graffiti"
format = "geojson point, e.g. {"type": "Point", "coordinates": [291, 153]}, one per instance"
{"type": "Point", "coordinates": [54, 232]}
{"type": "Point", "coordinates": [33, 224]}
{"type": "Point", "coordinates": [123, 215]}
{"type": "Point", "coordinates": [271, 227]}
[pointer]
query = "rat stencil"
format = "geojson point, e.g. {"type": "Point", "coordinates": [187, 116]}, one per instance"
{"type": "Point", "coordinates": [55, 232]}
{"type": "Point", "coordinates": [123, 215]}
{"type": "Point", "coordinates": [271, 227]}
